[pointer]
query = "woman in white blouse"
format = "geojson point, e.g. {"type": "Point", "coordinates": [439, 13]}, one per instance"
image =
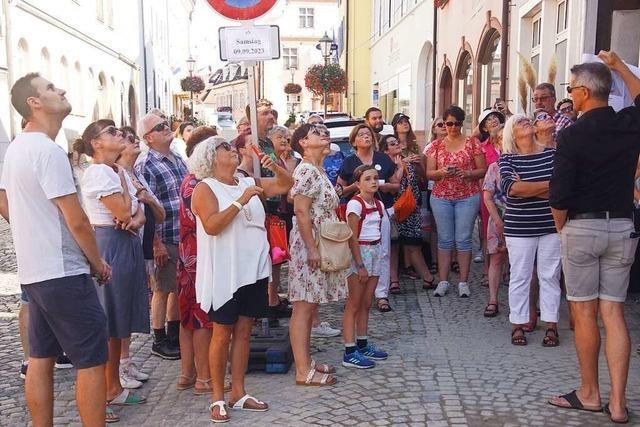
{"type": "Point", "coordinates": [116, 215]}
{"type": "Point", "coordinates": [233, 263]}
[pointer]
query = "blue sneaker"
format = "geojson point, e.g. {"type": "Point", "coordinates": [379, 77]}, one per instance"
{"type": "Point", "coordinates": [374, 353]}
{"type": "Point", "coordinates": [357, 360]}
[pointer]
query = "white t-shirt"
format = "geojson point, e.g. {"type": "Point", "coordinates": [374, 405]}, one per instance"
{"type": "Point", "coordinates": [36, 171]}
{"type": "Point", "coordinates": [370, 230]}
{"type": "Point", "coordinates": [98, 181]}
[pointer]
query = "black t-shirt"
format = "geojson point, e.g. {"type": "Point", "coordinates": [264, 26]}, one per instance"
{"type": "Point", "coordinates": [383, 163]}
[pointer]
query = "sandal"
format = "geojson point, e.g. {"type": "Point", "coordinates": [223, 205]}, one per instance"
{"type": "Point", "coordinates": [222, 413]}
{"type": "Point", "coordinates": [205, 389]}
{"type": "Point", "coordinates": [491, 312]}
{"type": "Point", "coordinates": [429, 284]}
{"type": "Point", "coordinates": [127, 398]}
{"type": "Point", "coordinates": [383, 307]}
{"type": "Point", "coordinates": [110, 416]}
{"type": "Point", "coordinates": [519, 340]}
{"type": "Point", "coordinates": [551, 341]}
{"type": "Point", "coordinates": [624, 420]}
{"type": "Point", "coordinates": [395, 289]}
{"type": "Point", "coordinates": [190, 383]}
{"type": "Point", "coordinates": [325, 380]}
{"type": "Point", "coordinates": [484, 282]}
{"type": "Point", "coordinates": [323, 368]}
{"type": "Point", "coordinates": [574, 403]}
{"type": "Point", "coordinates": [240, 404]}
{"type": "Point", "coordinates": [433, 268]}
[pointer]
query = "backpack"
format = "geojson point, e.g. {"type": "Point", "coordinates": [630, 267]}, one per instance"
{"type": "Point", "coordinates": [366, 211]}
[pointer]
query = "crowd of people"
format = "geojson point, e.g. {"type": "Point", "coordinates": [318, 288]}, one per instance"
{"type": "Point", "coordinates": [186, 234]}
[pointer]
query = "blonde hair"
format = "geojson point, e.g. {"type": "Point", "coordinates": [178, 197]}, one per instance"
{"type": "Point", "coordinates": [508, 138]}
{"type": "Point", "coordinates": [201, 161]}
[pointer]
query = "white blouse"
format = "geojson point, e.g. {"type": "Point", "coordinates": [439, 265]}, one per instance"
{"type": "Point", "coordinates": [98, 181]}
{"type": "Point", "coordinates": [236, 257]}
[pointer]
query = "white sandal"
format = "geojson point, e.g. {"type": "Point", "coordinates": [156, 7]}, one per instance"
{"type": "Point", "coordinates": [223, 412]}
{"type": "Point", "coordinates": [239, 405]}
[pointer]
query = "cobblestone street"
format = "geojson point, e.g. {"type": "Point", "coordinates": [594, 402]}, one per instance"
{"type": "Point", "coordinates": [448, 366]}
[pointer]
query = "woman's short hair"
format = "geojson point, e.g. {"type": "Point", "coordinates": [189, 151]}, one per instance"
{"type": "Point", "coordinates": [383, 144]}
{"type": "Point", "coordinates": [454, 111]}
{"type": "Point", "coordinates": [355, 130]}
{"type": "Point", "coordinates": [278, 130]}
{"type": "Point", "coordinates": [360, 170]}
{"type": "Point", "coordinates": [181, 128]}
{"type": "Point", "coordinates": [198, 135]}
{"type": "Point", "coordinates": [298, 135]}
{"type": "Point", "coordinates": [201, 161]}
{"type": "Point", "coordinates": [82, 144]}
{"type": "Point", "coordinates": [508, 137]}
{"type": "Point", "coordinates": [128, 130]}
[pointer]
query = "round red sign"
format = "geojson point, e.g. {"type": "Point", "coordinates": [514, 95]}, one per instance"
{"type": "Point", "coordinates": [242, 10]}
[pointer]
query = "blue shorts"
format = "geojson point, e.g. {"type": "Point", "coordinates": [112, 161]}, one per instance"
{"type": "Point", "coordinates": [65, 315]}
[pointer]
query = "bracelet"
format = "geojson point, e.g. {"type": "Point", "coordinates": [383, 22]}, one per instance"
{"type": "Point", "coordinates": [237, 205]}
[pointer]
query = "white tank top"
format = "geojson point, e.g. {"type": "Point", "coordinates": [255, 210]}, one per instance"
{"type": "Point", "coordinates": [236, 257]}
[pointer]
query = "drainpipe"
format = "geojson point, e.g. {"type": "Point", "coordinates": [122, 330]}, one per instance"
{"type": "Point", "coordinates": [504, 50]}
{"type": "Point", "coordinates": [144, 60]}
{"type": "Point", "coordinates": [433, 62]}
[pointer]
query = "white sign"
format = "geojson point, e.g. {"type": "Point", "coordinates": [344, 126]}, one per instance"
{"type": "Point", "coordinates": [249, 43]}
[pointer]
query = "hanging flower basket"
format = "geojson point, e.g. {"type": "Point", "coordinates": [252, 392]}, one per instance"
{"type": "Point", "coordinates": [330, 78]}
{"type": "Point", "coordinates": [192, 84]}
{"type": "Point", "coordinates": [292, 88]}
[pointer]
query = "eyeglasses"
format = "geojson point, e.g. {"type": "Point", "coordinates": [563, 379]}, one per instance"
{"type": "Point", "coordinates": [567, 109]}
{"type": "Point", "coordinates": [131, 139]}
{"type": "Point", "coordinates": [439, 125]}
{"type": "Point", "coordinates": [363, 134]}
{"type": "Point", "coordinates": [159, 127]}
{"type": "Point", "coordinates": [224, 145]}
{"type": "Point", "coordinates": [452, 124]}
{"type": "Point", "coordinates": [570, 89]}
{"type": "Point", "coordinates": [392, 142]}
{"type": "Point", "coordinates": [542, 98]}
{"type": "Point", "coordinates": [111, 130]}
{"type": "Point", "coordinates": [542, 116]}
{"type": "Point", "coordinates": [320, 130]}
{"type": "Point", "coordinates": [522, 121]}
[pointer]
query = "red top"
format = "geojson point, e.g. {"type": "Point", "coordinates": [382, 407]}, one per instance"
{"type": "Point", "coordinates": [454, 188]}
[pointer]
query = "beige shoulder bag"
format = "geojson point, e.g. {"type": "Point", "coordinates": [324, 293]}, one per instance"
{"type": "Point", "coordinates": [333, 246]}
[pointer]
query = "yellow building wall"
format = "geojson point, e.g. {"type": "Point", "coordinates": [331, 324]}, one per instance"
{"type": "Point", "coordinates": [356, 58]}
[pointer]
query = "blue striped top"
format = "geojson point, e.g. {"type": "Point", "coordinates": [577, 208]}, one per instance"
{"type": "Point", "coordinates": [527, 216]}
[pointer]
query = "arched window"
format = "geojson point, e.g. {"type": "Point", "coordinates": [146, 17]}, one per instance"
{"type": "Point", "coordinates": [489, 68]}
{"type": "Point", "coordinates": [464, 76]}
{"type": "Point", "coordinates": [79, 86]}
{"type": "Point", "coordinates": [103, 97]}
{"type": "Point", "coordinates": [66, 81]}
{"type": "Point", "coordinates": [446, 84]}
{"type": "Point", "coordinates": [23, 64]}
{"type": "Point", "coordinates": [45, 61]}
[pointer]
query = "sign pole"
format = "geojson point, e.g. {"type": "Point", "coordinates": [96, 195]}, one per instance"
{"type": "Point", "coordinates": [253, 113]}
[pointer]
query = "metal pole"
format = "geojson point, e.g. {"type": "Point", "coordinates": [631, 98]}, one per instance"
{"type": "Point", "coordinates": [192, 112]}
{"type": "Point", "coordinates": [253, 113]}
{"type": "Point", "coordinates": [324, 97]}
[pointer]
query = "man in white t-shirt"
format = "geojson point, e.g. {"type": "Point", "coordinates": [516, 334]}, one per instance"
{"type": "Point", "coordinates": [56, 251]}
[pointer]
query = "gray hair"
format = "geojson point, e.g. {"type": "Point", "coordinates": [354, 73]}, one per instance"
{"type": "Point", "coordinates": [595, 76]}
{"type": "Point", "coordinates": [508, 137]}
{"type": "Point", "coordinates": [315, 116]}
{"type": "Point", "coordinates": [204, 155]}
{"type": "Point", "coordinates": [278, 130]}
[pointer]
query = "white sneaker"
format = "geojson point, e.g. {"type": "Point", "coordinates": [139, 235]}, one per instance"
{"type": "Point", "coordinates": [463, 290]}
{"type": "Point", "coordinates": [479, 257]}
{"type": "Point", "coordinates": [324, 330]}
{"type": "Point", "coordinates": [127, 381]}
{"type": "Point", "coordinates": [441, 289]}
{"type": "Point", "coordinates": [136, 373]}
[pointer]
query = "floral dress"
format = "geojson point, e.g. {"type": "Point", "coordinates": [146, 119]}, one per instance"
{"type": "Point", "coordinates": [410, 230]}
{"type": "Point", "coordinates": [454, 187]}
{"type": "Point", "coordinates": [306, 284]}
{"type": "Point", "coordinates": [492, 184]}
{"type": "Point", "coordinates": [191, 315]}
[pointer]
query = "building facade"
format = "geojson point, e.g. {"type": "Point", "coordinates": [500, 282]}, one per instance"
{"type": "Point", "coordinates": [401, 60]}
{"type": "Point", "coordinates": [227, 91]}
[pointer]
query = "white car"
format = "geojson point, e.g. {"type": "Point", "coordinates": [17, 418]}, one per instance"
{"type": "Point", "coordinates": [339, 131]}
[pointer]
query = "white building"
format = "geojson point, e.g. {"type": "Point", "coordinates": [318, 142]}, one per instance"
{"type": "Point", "coordinates": [401, 60]}
{"type": "Point", "coordinates": [87, 47]}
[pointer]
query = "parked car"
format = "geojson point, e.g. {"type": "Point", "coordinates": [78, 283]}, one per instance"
{"type": "Point", "coordinates": [224, 124]}
{"type": "Point", "coordinates": [339, 130]}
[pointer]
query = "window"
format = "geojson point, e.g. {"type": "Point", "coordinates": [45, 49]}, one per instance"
{"type": "Point", "coordinates": [104, 11]}
{"type": "Point", "coordinates": [535, 36]}
{"type": "Point", "coordinates": [490, 72]}
{"type": "Point", "coordinates": [306, 17]}
{"type": "Point", "coordinates": [100, 10]}
{"type": "Point", "coordinates": [465, 89]}
{"type": "Point", "coordinates": [289, 57]}
{"type": "Point", "coordinates": [562, 16]}
{"type": "Point", "coordinates": [46, 63]}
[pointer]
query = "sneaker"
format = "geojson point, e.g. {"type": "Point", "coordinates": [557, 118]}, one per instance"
{"type": "Point", "coordinates": [23, 369]}
{"type": "Point", "coordinates": [442, 289]}
{"type": "Point", "coordinates": [165, 350]}
{"type": "Point", "coordinates": [463, 290]}
{"type": "Point", "coordinates": [324, 330]}
{"type": "Point", "coordinates": [374, 353]}
{"type": "Point", "coordinates": [479, 257]}
{"type": "Point", "coordinates": [357, 360]}
{"type": "Point", "coordinates": [127, 381]}
{"type": "Point", "coordinates": [63, 362]}
{"type": "Point", "coordinates": [132, 370]}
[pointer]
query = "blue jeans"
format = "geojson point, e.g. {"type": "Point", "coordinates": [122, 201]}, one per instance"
{"type": "Point", "coordinates": [455, 220]}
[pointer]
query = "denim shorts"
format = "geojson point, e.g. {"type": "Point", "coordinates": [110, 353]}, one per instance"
{"type": "Point", "coordinates": [455, 220]}
{"type": "Point", "coordinates": [65, 315]}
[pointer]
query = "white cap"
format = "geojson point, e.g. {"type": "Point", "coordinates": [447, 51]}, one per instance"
{"type": "Point", "coordinates": [334, 148]}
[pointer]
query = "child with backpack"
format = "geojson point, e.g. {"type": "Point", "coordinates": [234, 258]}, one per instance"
{"type": "Point", "coordinates": [364, 216]}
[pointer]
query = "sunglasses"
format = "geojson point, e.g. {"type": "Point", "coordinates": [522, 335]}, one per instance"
{"type": "Point", "coordinates": [452, 124]}
{"type": "Point", "coordinates": [111, 130]}
{"type": "Point", "coordinates": [159, 127]}
{"type": "Point", "coordinates": [542, 116]}
{"type": "Point", "coordinates": [566, 109]}
{"type": "Point", "coordinates": [570, 89]}
{"type": "Point", "coordinates": [224, 145]}
{"type": "Point", "coordinates": [392, 142]}
{"type": "Point", "coordinates": [522, 121]}
{"type": "Point", "coordinates": [541, 98]}
{"type": "Point", "coordinates": [131, 139]}
{"type": "Point", "coordinates": [439, 125]}
{"type": "Point", "coordinates": [320, 130]}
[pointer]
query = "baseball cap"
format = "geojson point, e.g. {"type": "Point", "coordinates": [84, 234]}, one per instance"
{"type": "Point", "coordinates": [398, 117]}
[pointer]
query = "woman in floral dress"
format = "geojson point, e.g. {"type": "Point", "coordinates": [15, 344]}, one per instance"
{"type": "Point", "coordinates": [315, 201]}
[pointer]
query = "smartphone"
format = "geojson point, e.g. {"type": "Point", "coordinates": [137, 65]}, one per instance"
{"type": "Point", "coordinates": [451, 169]}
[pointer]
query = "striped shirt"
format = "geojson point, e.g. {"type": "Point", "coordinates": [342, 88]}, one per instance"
{"type": "Point", "coordinates": [527, 216]}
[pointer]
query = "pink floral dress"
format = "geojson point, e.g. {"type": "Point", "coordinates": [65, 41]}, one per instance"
{"type": "Point", "coordinates": [306, 284]}
{"type": "Point", "coordinates": [454, 187]}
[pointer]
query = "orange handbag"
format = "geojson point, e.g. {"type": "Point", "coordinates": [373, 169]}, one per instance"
{"type": "Point", "coordinates": [277, 236]}
{"type": "Point", "coordinates": [406, 204]}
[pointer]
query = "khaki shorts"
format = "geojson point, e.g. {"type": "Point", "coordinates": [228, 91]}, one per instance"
{"type": "Point", "coordinates": [596, 258]}
{"type": "Point", "coordinates": [165, 278]}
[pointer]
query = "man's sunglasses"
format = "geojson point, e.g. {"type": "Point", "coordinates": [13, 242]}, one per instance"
{"type": "Point", "coordinates": [159, 127]}
{"type": "Point", "coordinates": [111, 130]}
{"type": "Point", "coordinates": [570, 89]}
{"type": "Point", "coordinates": [452, 124]}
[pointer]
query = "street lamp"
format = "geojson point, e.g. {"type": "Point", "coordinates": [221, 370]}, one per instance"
{"type": "Point", "coordinates": [292, 70]}
{"type": "Point", "coordinates": [191, 64]}
{"type": "Point", "coordinates": [326, 46]}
